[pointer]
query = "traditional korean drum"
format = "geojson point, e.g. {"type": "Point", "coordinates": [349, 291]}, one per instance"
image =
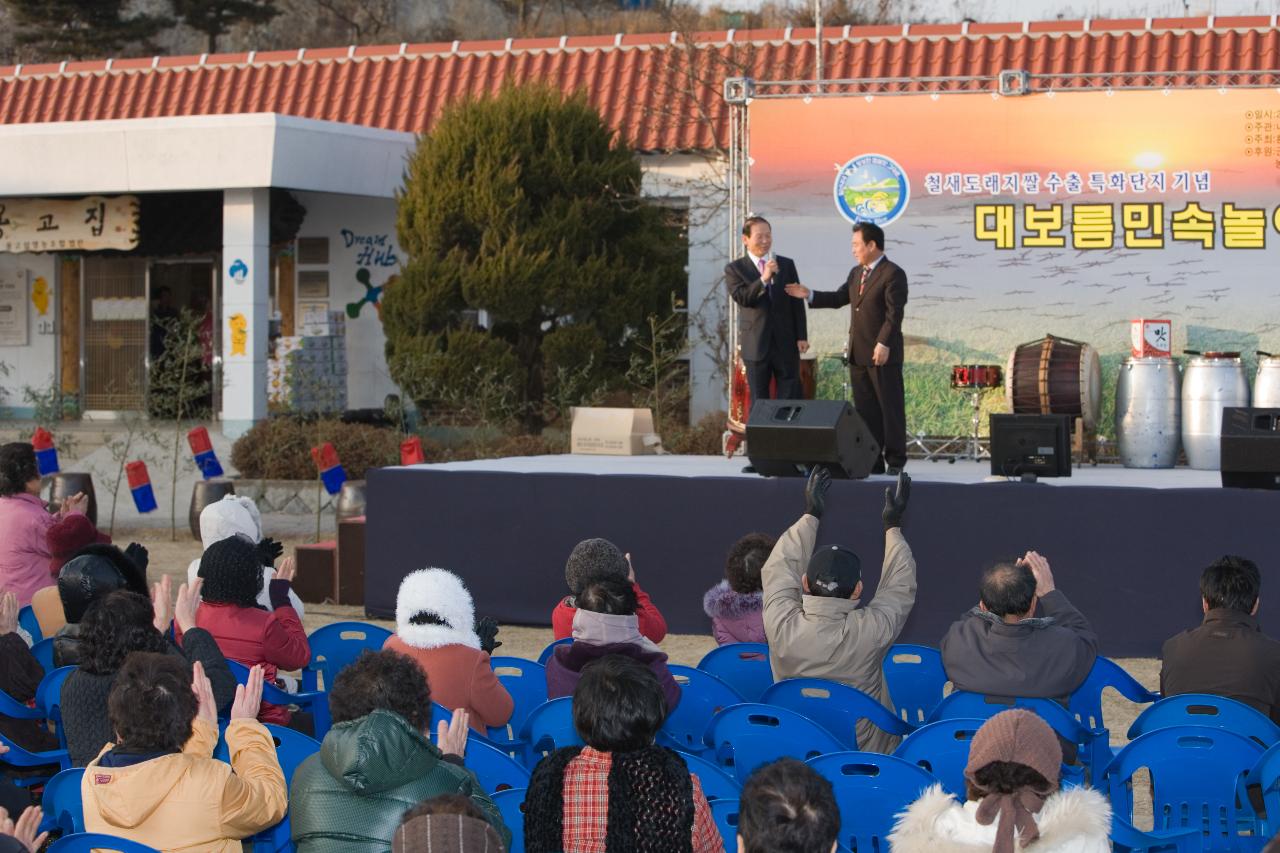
{"type": "Point", "coordinates": [1055, 376]}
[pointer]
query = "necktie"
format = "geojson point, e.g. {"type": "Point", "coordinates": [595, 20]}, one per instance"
{"type": "Point", "coordinates": [866, 271]}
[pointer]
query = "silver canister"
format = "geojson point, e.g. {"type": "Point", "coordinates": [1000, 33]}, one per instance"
{"type": "Point", "coordinates": [1148, 408]}
{"type": "Point", "coordinates": [1210, 383]}
{"type": "Point", "coordinates": [1266, 385]}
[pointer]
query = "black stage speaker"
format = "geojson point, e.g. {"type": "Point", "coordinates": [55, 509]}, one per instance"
{"type": "Point", "coordinates": [786, 437]}
{"type": "Point", "coordinates": [1250, 448]}
{"type": "Point", "coordinates": [1031, 444]}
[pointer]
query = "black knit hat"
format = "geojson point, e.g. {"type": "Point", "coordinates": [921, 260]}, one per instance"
{"type": "Point", "coordinates": [593, 558]}
{"type": "Point", "coordinates": [232, 572]}
{"type": "Point", "coordinates": [833, 572]}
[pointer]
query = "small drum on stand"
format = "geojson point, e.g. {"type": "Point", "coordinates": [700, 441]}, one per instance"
{"type": "Point", "coordinates": [974, 380]}
{"type": "Point", "coordinates": [1057, 376]}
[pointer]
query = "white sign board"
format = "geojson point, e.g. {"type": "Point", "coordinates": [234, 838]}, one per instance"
{"type": "Point", "coordinates": [13, 308]}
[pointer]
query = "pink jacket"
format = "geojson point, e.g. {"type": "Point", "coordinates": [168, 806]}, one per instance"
{"type": "Point", "coordinates": [24, 548]}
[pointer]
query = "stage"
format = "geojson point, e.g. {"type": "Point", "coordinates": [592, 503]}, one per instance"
{"type": "Point", "coordinates": [1127, 546]}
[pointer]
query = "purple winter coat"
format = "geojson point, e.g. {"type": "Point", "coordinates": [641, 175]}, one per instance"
{"type": "Point", "coordinates": [564, 667]}
{"type": "Point", "coordinates": [735, 617]}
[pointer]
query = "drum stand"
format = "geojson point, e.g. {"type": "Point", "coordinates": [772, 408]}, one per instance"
{"type": "Point", "coordinates": [974, 450]}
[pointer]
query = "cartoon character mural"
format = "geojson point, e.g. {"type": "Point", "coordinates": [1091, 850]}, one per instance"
{"type": "Point", "coordinates": [40, 295]}
{"type": "Point", "coordinates": [239, 334]}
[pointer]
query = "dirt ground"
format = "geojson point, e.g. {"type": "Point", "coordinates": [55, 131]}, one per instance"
{"type": "Point", "coordinates": [528, 642]}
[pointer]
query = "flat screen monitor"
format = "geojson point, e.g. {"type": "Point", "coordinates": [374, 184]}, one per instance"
{"type": "Point", "coordinates": [1031, 444]}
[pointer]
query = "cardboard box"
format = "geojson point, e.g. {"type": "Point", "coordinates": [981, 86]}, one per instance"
{"type": "Point", "coordinates": [1151, 338]}
{"type": "Point", "coordinates": [613, 432]}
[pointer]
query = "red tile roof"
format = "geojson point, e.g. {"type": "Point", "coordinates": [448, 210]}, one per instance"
{"type": "Point", "coordinates": [660, 91]}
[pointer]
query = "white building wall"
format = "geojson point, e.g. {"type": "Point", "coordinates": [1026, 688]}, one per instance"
{"type": "Point", "coordinates": [362, 236]}
{"type": "Point", "coordinates": [702, 181]}
{"type": "Point", "coordinates": [34, 365]}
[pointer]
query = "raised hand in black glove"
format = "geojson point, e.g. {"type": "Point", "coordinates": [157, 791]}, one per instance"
{"type": "Point", "coordinates": [895, 502]}
{"type": "Point", "coordinates": [138, 554]}
{"type": "Point", "coordinates": [269, 550]}
{"type": "Point", "coordinates": [486, 628]}
{"type": "Point", "coordinates": [815, 491]}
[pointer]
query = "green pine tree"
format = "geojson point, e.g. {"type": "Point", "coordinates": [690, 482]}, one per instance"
{"type": "Point", "coordinates": [216, 17]}
{"type": "Point", "coordinates": [527, 206]}
{"type": "Point", "coordinates": [79, 29]}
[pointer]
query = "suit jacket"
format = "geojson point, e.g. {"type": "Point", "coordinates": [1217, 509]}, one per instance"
{"type": "Point", "coordinates": [762, 321]}
{"type": "Point", "coordinates": [877, 314]}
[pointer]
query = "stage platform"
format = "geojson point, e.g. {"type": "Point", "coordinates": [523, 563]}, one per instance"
{"type": "Point", "coordinates": [1127, 546]}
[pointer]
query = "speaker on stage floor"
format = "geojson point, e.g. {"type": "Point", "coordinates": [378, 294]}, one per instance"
{"type": "Point", "coordinates": [1250, 448]}
{"type": "Point", "coordinates": [786, 437]}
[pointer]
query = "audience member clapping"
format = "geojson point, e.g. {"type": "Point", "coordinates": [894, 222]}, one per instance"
{"type": "Point", "coordinates": [812, 617]}
{"type": "Point", "coordinates": [605, 623]}
{"type": "Point", "coordinates": [20, 675]}
{"type": "Point", "coordinates": [620, 792]}
{"type": "Point", "coordinates": [448, 823]}
{"type": "Point", "coordinates": [435, 626]}
{"type": "Point", "coordinates": [736, 604]}
{"type": "Point", "coordinates": [159, 784]}
{"type": "Point", "coordinates": [273, 639]}
{"type": "Point", "coordinates": [1000, 647]}
{"type": "Point", "coordinates": [1227, 655]}
{"type": "Point", "coordinates": [590, 560]}
{"type": "Point", "coordinates": [236, 515]}
{"type": "Point", "coordinates": [787, 807]}
{"type": "Point", "coordinates": [116, 626]}
{"type": "Point", "coordinates": [22, 835]}
{"type": "Point", "coordinates": [1013, 799]}
{"type": "Point", "coordinates": [376, 762]}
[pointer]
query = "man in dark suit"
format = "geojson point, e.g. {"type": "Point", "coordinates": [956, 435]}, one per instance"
{"type": "Point", "coordinates": [772, 329]}
{"type": "Point", "coordinates": [877, 287]}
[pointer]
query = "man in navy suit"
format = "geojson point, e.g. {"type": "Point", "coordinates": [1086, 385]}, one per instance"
{"type": "Point", "coordinates": [772, 328]}
{"type": "Point", "coordinates": [877, 288]}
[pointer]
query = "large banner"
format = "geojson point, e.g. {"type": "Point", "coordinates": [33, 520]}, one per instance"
{"type": "Point", "coordinates": [1059, 213]}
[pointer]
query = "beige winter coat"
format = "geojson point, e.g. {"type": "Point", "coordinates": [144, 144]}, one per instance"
{"type": "Point", "coordinates": [1074, 820]}
{"type": "Point", "coordinates": [816, 637]}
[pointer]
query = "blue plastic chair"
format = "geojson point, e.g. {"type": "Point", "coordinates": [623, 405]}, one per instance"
{"type": "Point", "coordinates": [550, 650]}
{"type": "Point", "coordinates": [834, 706]}
{"type": "Point", "coordinates": [942, 748]}
{"type": "Point", "coordinates": [1200, 709]}
{"type": "Point", "coordinates": [916, 680]}
{"type": "Point", "coordinates": [62, 804]}
{"type": "Point", "coordinates": [1194, 775]}
{"type": "Point", "coordinates": [1085, 703]}
{"type": "Point", "coordinates": [337, 645]}
{"type": "Point", "coordinates": [28, 622]}
{"type": "Point", "coordinates": [315, 702]}
{"type": "Point", "coordinates": [742, 737]}
{"type": "Point", "coordinates": [742, 666]}
{"type": "Point", "coordinates": [1266, 775]}
{"type": "Point", "coordinates": [1126, 838]}
{"type": "Point", "coordinates": [702, 696]}
{"type": "Point", "coordinates": [871, 789]}
{"type": "Point", "coordinates": [526, 681]}
{"type": "Point", "coordinates": [43, 653]}
{"type": "Point", "coordinates": [495, 769]}
{"type": "Point", "coordinates": [725, 813]}
{"type": "Point", "coordinates": [716, 784]}
{"type": "Point", "coordinates": [511, 804]}
{"type": "Point", "coordinates": [87, 842]}
{"type": "Point", "coordinates": [49, 699]}
{"type": "Point", "coordinates": [1093, 745]}
{"type": "Point", "coordinates": [548, 728]}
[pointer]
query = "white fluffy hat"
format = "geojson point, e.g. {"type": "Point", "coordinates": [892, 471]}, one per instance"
{"type": "Point", "coordinates": [434, 608]}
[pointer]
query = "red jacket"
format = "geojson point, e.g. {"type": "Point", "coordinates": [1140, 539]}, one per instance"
{"type": "Point", "coordinates": [253, 636]}
{"type": "Point", "coordinates": [652, 625]}
{"type": "Point", "coordinates": [461, 677]}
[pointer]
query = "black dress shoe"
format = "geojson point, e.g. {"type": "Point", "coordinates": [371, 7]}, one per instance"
{"type": "Point", "coordinates": [748, 469]}
{"type": "Point", "coordinates": [893, 470]}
